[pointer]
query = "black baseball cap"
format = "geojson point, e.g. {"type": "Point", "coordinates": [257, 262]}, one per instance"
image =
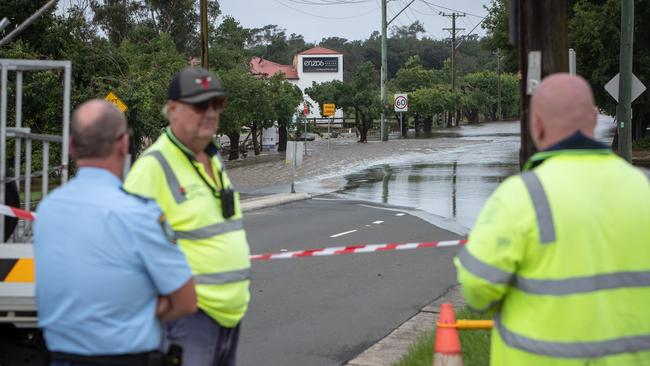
{"type": "Point", "coordinates": [195, 85]}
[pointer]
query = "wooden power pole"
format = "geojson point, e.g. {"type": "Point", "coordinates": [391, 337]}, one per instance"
{"type": "Point", "coordinates": [542, 27]}
{"type": "Point", "coordinates": [204, 33]}
{"type": "Point", "coordinates": [453, 31]}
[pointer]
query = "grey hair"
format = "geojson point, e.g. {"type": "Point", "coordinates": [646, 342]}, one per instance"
{"type": "Point", "coordinates": [93, 134]}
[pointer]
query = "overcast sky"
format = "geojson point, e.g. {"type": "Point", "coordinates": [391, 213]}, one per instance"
{"type": "Point", "coordinates": [353, 19]}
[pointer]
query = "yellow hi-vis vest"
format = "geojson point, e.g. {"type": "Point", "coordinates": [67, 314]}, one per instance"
{"type": "Point", "coordinates": [561, 253]}
{"type": "Point", "coordinates": [216, 248]}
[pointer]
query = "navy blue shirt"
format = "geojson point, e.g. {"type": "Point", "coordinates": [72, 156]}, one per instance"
{"type": "Point", "coordinates": [102, 257]}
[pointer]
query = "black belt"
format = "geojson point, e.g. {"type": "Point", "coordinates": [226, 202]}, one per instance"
{"type": "Point", "coordinates": [153, 358]}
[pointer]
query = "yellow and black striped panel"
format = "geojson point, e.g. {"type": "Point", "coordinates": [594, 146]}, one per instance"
{"type": "Point", "coordinates": [17, 270]}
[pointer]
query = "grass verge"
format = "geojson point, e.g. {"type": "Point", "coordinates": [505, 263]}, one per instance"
{"type": "Point", "coordinates": [474, 343]}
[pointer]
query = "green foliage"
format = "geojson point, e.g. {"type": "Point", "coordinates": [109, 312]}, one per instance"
{"type": "Point", "coordinates": [359, 96]}
{"type": "Point", "coordinates": [475, 345]}
{"type": "Point", "coordinates": [431, 101]}
{"type": "Point", "coordinates": [642, 143]}
{"type": "Point", "coordinates": [242, 103]}
{"type": "Point", "coordinates": [414, 76]}
{"type": "Point", "coordinates": [594, 33]}
{"type": "Point", "coordinates": [480, 94]}
{"type": "Point", "coordinates": [227, 49]}
{"type": "Point", "coordinates": [496, 26]}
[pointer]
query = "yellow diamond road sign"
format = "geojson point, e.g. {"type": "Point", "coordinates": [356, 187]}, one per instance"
{"type": "Point", "coordinates": [113, 98]}
{"type": "Point", "coordinates": [328, 109]}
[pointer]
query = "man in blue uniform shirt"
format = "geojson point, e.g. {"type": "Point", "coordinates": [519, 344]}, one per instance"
{"type": "Point", "coordinates": [107, 270]}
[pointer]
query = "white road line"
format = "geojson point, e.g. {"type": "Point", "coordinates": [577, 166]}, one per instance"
{"type": "Point", "coordinates": [400, 214]}
{"type": "Point", "coordinates": [343, 233]}
{"type": "Point", "coordinates": [378, 222]}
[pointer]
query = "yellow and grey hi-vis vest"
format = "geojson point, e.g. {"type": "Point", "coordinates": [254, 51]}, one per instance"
{"type": "Point", "coordinates": [216, 248]}
{"type": "Point", "coordinates": [561, 254]}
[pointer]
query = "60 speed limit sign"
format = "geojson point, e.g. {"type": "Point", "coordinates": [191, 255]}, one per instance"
{"type": "Point", "coordinates": [401, 103]}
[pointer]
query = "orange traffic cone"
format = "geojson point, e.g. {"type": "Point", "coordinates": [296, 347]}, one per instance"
{"type": "Point", "coordinates": [447, 348]}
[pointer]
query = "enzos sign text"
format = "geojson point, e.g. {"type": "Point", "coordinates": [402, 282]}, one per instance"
{"type": "Point", "coordinates": [320, 64]}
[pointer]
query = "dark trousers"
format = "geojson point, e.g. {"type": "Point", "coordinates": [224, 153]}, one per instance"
{"type": "Point", "coordinates": [204, 341]}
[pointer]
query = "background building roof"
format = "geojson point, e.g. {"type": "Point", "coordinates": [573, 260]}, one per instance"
{"type": "Point", "coordinates": [260, 66]}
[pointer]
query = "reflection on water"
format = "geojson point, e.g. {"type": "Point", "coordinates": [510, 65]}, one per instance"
{"type": "Point", "coordinates": [455, 183]}
{"type": "Point", "coordinates": [449, 189]}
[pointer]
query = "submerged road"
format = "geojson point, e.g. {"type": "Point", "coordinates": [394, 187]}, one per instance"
{"type": "Point", "coordinates": [326, 310]}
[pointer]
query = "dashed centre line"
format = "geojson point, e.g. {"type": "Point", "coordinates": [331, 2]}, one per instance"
{"type": "Point", "coordinates": [343, 233]}
{"type": "Point", "coordinates": [378, 222]}
{"type": "Point", "coordinates": [400, 214]}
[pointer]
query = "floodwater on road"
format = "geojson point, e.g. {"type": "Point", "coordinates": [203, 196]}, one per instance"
{"type": "Point", "coordinates": [452, 184]}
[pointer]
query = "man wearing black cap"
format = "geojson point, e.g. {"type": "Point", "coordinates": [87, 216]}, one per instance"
{"type": "Point", "coordinates": [182, 171]}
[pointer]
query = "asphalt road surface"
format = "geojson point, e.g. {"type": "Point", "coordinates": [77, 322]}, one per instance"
{"type": "Point", "coordinates": [327, 310]}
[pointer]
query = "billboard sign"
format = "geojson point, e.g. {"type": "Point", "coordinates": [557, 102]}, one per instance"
{"type": "Point", "coordinates": [320, 64]}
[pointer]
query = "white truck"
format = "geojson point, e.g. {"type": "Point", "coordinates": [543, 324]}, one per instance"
{"type": "Point", "coordinates": [21, 342]}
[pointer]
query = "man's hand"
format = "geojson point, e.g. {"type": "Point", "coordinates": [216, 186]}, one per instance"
{"type": "Point", "coordinates": [178, 303]}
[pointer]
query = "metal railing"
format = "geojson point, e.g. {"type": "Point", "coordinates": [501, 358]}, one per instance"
{"type": "Point", "coordinates": [21, 134]}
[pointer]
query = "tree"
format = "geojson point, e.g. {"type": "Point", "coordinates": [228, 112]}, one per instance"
{"type": "Point", "coordinates": [241, 87]}
{"type": "Point", "coordinates": [594, 33]}
{"type": "Point", "coordinates": [227, 49]}
{"type": "Point", "coordinates": [413, 76]}
{"type": "Point", "coordinates": [426, 103]}
{"type": "Point", "coordinates": [359, 96]}
{"type": "Point", "coordinates": [178, 18]}
{"type": "Point", "coordinates": [286, 98]}
{"type": "Point", "coordinates": [496, 26]}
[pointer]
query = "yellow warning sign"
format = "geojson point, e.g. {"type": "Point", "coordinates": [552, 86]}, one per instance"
{"type": "Point", "coordinates": [328, 109]}
{"type": "Point", "coordinates": [113, 98]}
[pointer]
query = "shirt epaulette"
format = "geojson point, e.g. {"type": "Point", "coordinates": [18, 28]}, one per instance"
{"type": "Point", "coordinates": [144, 199]}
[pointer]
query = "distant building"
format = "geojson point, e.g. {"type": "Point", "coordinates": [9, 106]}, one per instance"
{"type": "Point", "coordinates": [316, 64]}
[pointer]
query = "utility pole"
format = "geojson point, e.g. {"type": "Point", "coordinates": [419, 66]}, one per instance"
{"type": "Point", "coordinates": [384, 71]}
{"type": "Point", "coordinates": [204, 34]}
{"type": "Point", "coordinates": [624, 109]}
{"type": "Point", "coordinates": [499, 116]}
{"type": "Point", "coordinates": [543, 27]}
{"type": "Point", "coordinates": [453, 31]}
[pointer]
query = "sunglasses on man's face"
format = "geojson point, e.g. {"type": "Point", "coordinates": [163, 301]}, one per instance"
{"type": "Point", "coordinates": [215, 103]}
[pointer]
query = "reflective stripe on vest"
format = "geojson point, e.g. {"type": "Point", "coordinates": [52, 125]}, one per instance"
{"type": "Point", "coordinates": [211, 230]}
{"type": "Point", "coordinates": [222, 277]}
{"type": "Point", "coordinates": [573, 349]}
{"type": "Point", "coordinates": [483, 270]}
{"type": "Point", "coordinates": [542, 207]}
{"type": "Point", "coordinates": [174, 186]}
{"type": "Point", "coordinates": [554, 287]}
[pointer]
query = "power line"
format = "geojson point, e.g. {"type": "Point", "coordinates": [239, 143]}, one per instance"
{"type": "Point", "coordinates": [336, 2]}
{"type": "Point", "coordinates": [450, 9]}
{"type": "Point", "coordinates": [325, 17]}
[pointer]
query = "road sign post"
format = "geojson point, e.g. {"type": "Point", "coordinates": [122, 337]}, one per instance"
{"type": "Point", "coordinates": [328, 111]}
{"type": "Point", "coordinates": [401, 102]}
{"type": "Point", "coordinates": [636, 88]}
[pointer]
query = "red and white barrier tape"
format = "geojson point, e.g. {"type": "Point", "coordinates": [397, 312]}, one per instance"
{"type": "Point", "coordinates": [16, 212]}
{"type": "Point", "coordinates": [353, 249]}
{"type": "Point", "coordinates": [322, 252]}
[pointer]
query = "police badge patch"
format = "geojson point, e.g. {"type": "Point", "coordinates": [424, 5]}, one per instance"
{"type": "Point", "coordinates": [167, 229]}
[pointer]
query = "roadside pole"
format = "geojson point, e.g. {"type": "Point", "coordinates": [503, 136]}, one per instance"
{"type": "Point", "coordinates": [305, 136]}
{"type": "Point", "coordinates": [384, 70]}
{"type": "Point", "coordinates": [401, 118]}
{"type": "Point", "coordinates": [329, 135]}
{"type": "Point", "coordinates": [293, 165]}
{"type": "Point", "coordinates": [624, 110]}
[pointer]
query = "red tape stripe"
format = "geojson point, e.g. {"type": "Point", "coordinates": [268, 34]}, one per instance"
{"type": "Point", "coordinates": [355, 249]}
